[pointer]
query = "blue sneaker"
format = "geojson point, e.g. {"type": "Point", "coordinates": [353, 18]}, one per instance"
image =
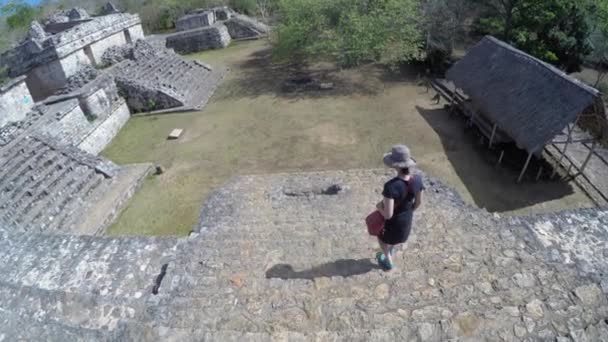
{"type": "Point", "coordinates": [381, 258]}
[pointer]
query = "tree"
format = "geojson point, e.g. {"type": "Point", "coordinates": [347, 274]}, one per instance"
{"type": "Point", "coordinates": [443, 23]}
{"type": "Point", "coordinates": [350, 31]}
{"type": "Point", "coordinates": [18, 14]}
{"type": "Point", "coordinates": [555, 31]}
{"type": "Point", "coordinates": [501, 15]}
{"type": "Point", "coordinates": [599, 57]}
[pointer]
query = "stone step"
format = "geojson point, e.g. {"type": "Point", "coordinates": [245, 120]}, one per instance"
{"type": "Point", "coordinates": [75, 202]}
{"type": "Point", "coordinates": [36, 190]}
{"type": "Point", "coordinates": [44, 197]}
{"type": "Point", "coordinates": [24, 172]}
{"type": "Point", "coordinates": [203, 335]}
{"type": "Point", "coordinates": [72, 310]}
{"type": "Point", "coordinates": [60, 195]}
{"type": "Point", "coordinates": [32, 175]}
{"type": "Point", "coordinates": [15, 328]}
{"type": "Point", "coordinates": [15, 156]}
{"type": "Point", "coordinates": [106, 266]}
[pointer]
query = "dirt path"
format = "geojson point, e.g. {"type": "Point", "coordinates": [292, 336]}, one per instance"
{"type": "Point", "coordinates": [250, 126]}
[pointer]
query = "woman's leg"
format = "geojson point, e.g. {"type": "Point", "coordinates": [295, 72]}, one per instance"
{"type": "Point", "coordinates": [386, 249]}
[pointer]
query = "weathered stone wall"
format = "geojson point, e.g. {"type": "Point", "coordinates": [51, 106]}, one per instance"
{"type": "Point", "coordinates": [197, 20]}
{"type": "Point", "coordinates": [15, 101]}
{"type": "Point", "coordinates": [206, 38]}
{"type": "Point", "coordinates": [30, 54]}
{"type": "Point", "coordinates": [136, 32]}
{"type": "Point", "coordinates": [159, 79]}
{"type": "Point", "coordinates": [99, 47]}
{"type": "Point", "coordinates": [103, 134]}
{"type": "Point", "coordinates": [71, 126]}
{"type": "Point", "coordinates": [146, 98]}
{"type": "Point", "coordinates": [244, 27]}
{"type": "Point", "coordinates": [45, 79]}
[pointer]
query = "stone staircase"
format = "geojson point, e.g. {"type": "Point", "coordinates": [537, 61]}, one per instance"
{"type": "Point", "coordinates": [75, 288]}
{"type": "Point", "coordinates": [178, 83]}
{"type": "Point", "coordinates": [286, 257]}
{"type": "Point", "coordinates": [46, 187]}
{"type": "Point", "coordinates": [284, 260]}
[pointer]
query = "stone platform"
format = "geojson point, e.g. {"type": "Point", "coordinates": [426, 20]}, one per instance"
{"type": "Point", "coordinates": [47, 187]}
{"type": "Point", "coordinates": [286, 257]}
{"type": "Point", "coordinates": [164, 81]}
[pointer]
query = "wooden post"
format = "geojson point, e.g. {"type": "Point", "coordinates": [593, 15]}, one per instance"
{"type": "Point", "coordinates": [540, 173]}
{"type": "Point", "coordinates": [523, 172]}
{"type": "Point", "coordinates": [568, 140]}
{"type": "Point", "coordinates": [588, 157]}
{"type": "Point", "coordinates": [492, 136]}
{"type": "Point", "coordinates": [453, 99]}
{"type": "Point", "coordinates": [502, 154]}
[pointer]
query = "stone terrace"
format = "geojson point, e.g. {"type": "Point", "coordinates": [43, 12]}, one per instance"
{"type": "Point", "coordinates": [174, 82]}
{"type": "Point", "coordinates": [52, 188]}
{"type": "Point", "coordinates": [286, 257]}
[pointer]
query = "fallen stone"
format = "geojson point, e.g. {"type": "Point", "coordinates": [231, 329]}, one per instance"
{"type": "Point", "coordinates": [590, 295]}
{"type": "Point", "coordinates": [535, 309]}
{"type": "Point", "coordinates": [524, 280]}
{"type": "Point", "coordinates": [485, 287]}
{"type": "Point", "coordinates": [175, 133]}
{"type": "Point", "coordinates": [382, 291]}
{"type": "Point", "coordinates": [159, 170]}
{"type": "Point", "coordinates": [425, 331]}
{"type": "Point", "coordinates": [579, 336]}
{"type": "Point", "coordinates": [519, 331]}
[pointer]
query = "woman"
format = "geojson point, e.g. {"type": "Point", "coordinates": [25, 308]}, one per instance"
{"type": "Point", "coordinates": [402, 196]}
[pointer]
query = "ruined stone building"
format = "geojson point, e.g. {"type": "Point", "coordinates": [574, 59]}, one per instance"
{"type": "Point", "coordinates": [60, 112]}
{"type": "Point", "coordinates": [213, 28]}
{"type": "Point", "coordinates": [57, 49]}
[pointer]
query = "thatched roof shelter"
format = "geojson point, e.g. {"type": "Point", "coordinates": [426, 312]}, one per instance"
{"type": "Point", "coordinates": [528, 99]}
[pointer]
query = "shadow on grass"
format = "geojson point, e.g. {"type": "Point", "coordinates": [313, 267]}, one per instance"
{"type": "Point", "coordinates": [492, 187]}
{"type": "Point", "coordinates": [341, 268]}
{"type": "Point", "coordinates": [260, 75]}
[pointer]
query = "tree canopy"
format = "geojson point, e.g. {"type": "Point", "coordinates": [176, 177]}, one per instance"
{"type": "Point", "coordinates": [351, 31]}
{"type": "Point", "coordinates": [556, 31]}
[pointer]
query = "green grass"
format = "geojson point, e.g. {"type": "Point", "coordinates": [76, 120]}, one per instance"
{"type": "Point", "coordinates": [251, 127]}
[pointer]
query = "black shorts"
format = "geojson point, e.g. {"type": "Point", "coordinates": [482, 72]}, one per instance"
{"type": "Point", "coordinates": [397, 229]}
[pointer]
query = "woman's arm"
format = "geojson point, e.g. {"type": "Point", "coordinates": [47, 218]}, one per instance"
{"type": "Point", "coordinates": [389, 208]}
{"type": "Point", "coordinates": [418, 201]}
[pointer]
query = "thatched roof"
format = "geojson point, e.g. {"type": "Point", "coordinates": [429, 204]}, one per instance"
{"type": "Point", "coordinates": [530, 100]}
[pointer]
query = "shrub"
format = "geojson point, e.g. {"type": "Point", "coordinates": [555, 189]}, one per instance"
{"type": "Point", "coordinates": [248, 7]}
{"type": "Point", "coordinates": [151, 105]}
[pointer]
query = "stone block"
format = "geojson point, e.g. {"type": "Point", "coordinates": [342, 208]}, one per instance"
{"type": "Point", "coordinates": [244, 27]}
{"type": "Point", "coordinates": [175, 134]}
{"type": "Point", "coordinates": [213, 37]}
{"type": "Point", "coordinates": [196, 20]}
{"type": "Point", "coordinates": [15, 101]}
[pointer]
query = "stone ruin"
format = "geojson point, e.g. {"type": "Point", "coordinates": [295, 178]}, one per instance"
{"type": "Point", "coordinates": [53, 52]}
{"type": "Point", "coordinates": [268, 259]}
{"type": "Point", "coordinates": [267, 265]}
{"type": "Point", "coordinates": [213, 29]}
{"type": "Point", "coordinates": [51, 180]}
{"type": "Point", "coordinates": [158, 80]}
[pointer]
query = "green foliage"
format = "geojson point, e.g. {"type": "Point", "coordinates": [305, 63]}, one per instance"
{"type": "Point", "coordinates": [3, 75]}
{"type": "Point", "coordinates": [18, 14]}
{"type": "Point", "coordinates": [556, 31]}
{"type": "Point", "coordinates": [248, 7]}
{"type": "Point", "coordinates": [351, 31]}
{"type": "Point", "coordinates": [151, 105]}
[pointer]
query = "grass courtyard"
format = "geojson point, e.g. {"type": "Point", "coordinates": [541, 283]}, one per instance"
{"type": "Point", "coordinates": [251, 126]}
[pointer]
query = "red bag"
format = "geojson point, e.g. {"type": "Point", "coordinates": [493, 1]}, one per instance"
{"type": "Point", "coordinates": [375, 223]}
